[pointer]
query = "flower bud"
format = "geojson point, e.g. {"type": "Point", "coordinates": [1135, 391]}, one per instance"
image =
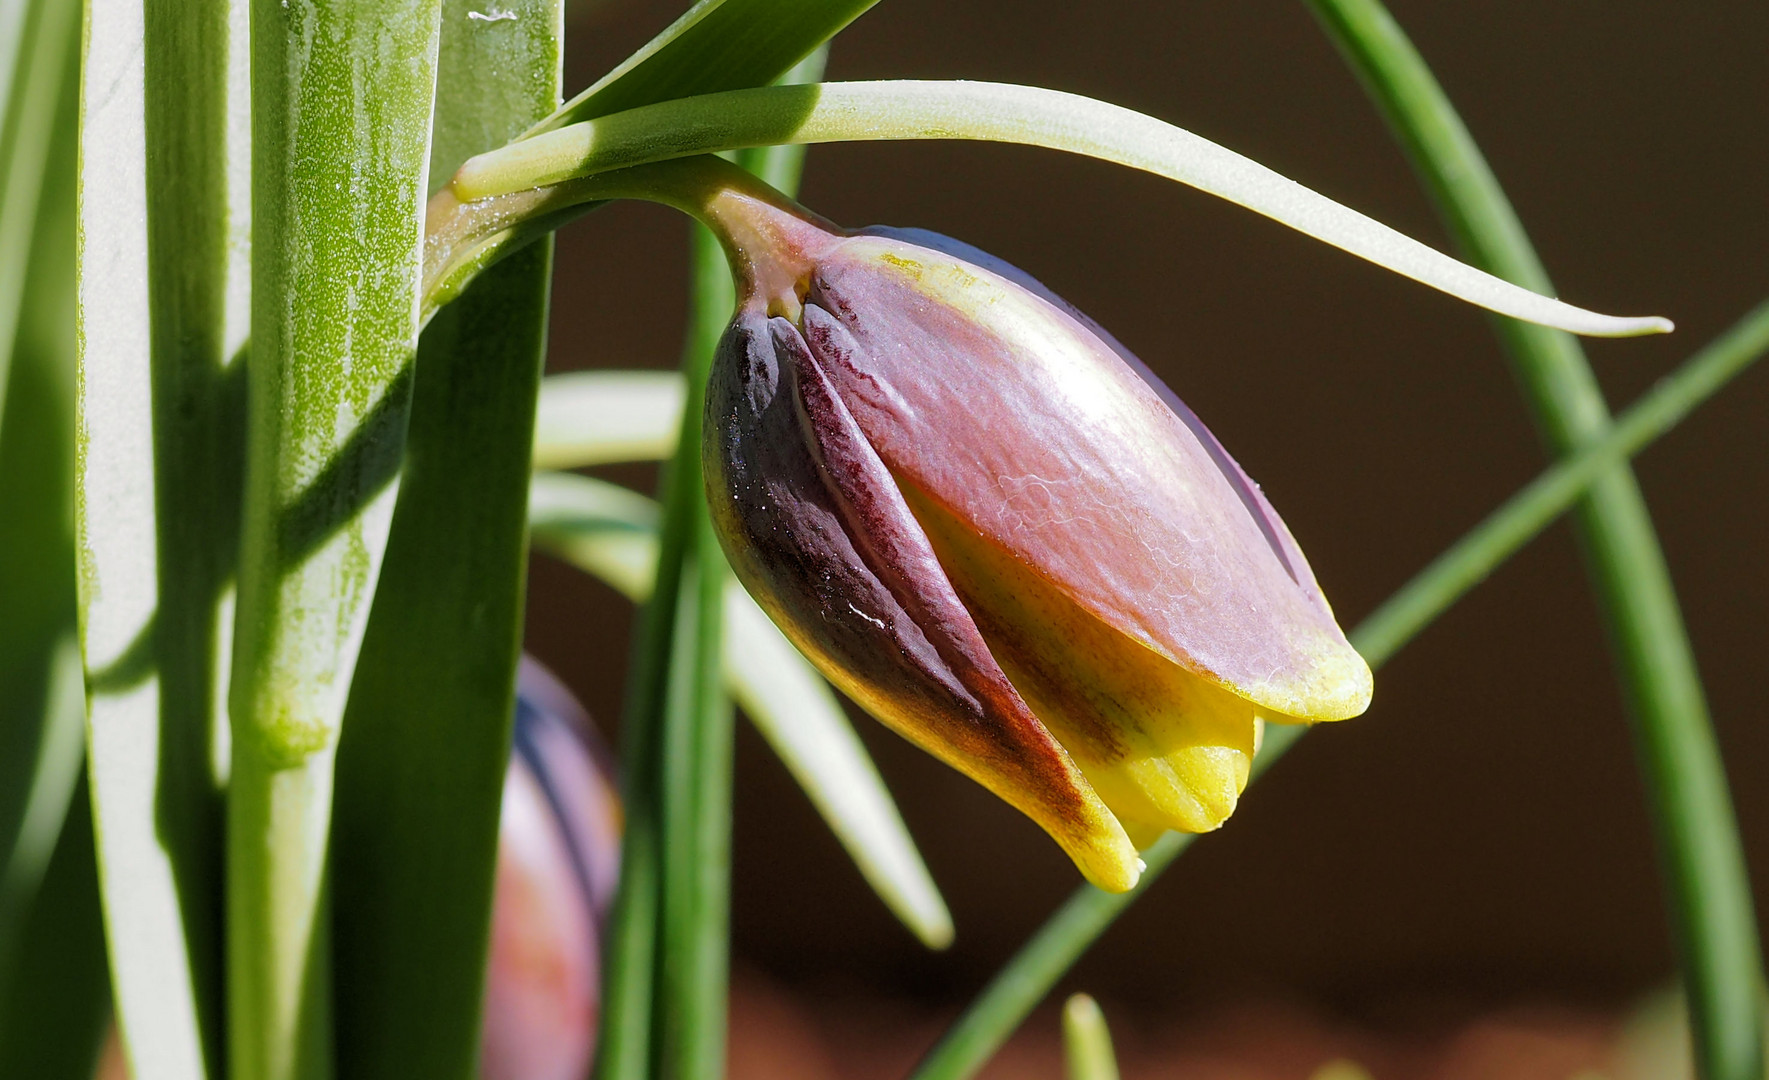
{"type": "Point", "coordinates": [558, 855]}
{"type": "Point", "coordinates": [989, 525]}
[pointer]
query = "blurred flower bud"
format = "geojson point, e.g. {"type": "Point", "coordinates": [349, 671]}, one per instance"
{"type": "Point", "coordinates": [558, 856]}
{"type": "Point", "coordinates": [992, 527]}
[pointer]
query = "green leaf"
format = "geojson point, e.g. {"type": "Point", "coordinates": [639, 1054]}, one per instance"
{"type": "Point", "coordinates": [42, 695]}
{"type": "Point", "coordinates": [54, 1007]}
{"type": "Point", "coordinates": [799, 715]}
{"type": "Point", "coordinates": [342, 93]}
{"type": "Point", "coordinates": [36, 57]}
{"type": "Point", "coordinates": [163, 227]}
{"type": "Point", "coordinates": [610, 533]}
{"type": "Point", "coordinates": [995, 112]}
{"type": "Point", "coordinates": [602, 417]}
{"type": "Point", "coordinates": [53, 982]}
{"type": "Point", "coordinates": [426, 736]}
{"type": "Point", "coordinates": [715, 45]}
{"type": "Point", "coordinates": [1087, 1042]}
{"type": "Point", "coordinates": [1703, 865]}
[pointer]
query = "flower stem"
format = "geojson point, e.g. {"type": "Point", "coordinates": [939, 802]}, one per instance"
{"type": "Point", "coordinates": [696, 766]}
{"type": "Point", "coordinates": [1708, 887]}
{"type": "Point", "coordinates": [1018, 987]}
{"type": "Point", "coordinates": [1468, 562]}
{"type": "Point", "coordinates": [670, 968]}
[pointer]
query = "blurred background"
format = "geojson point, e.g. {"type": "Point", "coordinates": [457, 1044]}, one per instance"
{"type": "Point", "coordinates": [1461, 883]}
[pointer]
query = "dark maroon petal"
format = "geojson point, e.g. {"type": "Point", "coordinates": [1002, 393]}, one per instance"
{"type": "Point", "coordinates": [1031, 426]}
{"type": "Point", "coordinates": [815, 528]}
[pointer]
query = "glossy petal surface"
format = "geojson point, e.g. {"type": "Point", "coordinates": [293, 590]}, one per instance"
{"type": "Point", "coordinates": [817, 531]}
{"type": "Point", "coordinates": [1009, 411]}
{"type": "Point", "coordinates": [1163, 747]}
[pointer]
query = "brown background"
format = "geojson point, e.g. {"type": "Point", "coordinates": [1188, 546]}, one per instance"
{"type": "Point", "coordinates": [1478, 836]}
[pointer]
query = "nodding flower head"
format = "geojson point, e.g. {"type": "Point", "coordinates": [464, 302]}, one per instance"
{"type": "Point", "coordinates": [558, 858]}
{"type": "Point", "coordinates": [994, 529]}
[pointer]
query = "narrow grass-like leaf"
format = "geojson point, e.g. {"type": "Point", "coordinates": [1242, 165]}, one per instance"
{"type": "Point", "coordinates": [601, 417]}
{"type": "Point", "coordinates": [12, 37]}
{"type": "Point", "coordinates": [610, 533]}
{"type": "Point", "coordinates": [1706, 879]}
{"type": "Point", "coordinates": [53, 1008]}
{"type": "Point", "coordinates": [163, 228]}
{"type": "Point", "coordinates": [798, 714]}
{"type": "Point", "coordinates": [1020, 985]}
{"type": "Point", "coordinates": [715, 45]}
{"type": "Point", "coordinates": [1087, 1042]}
{"type": "Point", "coordinates": [342, 92]}
{"type": "Point", "coordinates": [34, 65]}
{"type": "Point", "coordinates": [668, 946]}
{"type": "Point", "coordinates": [42, 693]}
{"type": "Point", "coordinates": [694, 714]}
{"type": "Point", "coordinates": [996, 112]}
{"type": "Point", "coordinates": [53, 982]}
{"type": "Point", "coordinates": [55, 712]}
{"type": "Point", "coordinates": [426, 737]}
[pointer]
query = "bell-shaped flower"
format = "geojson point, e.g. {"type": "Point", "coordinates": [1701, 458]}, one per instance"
{"type": "Point", "coordinates": [995, 530]}
{"type": "Point", "coordinates": [558, 857]}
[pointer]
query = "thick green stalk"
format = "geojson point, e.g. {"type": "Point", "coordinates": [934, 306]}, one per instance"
{"type": "Point", "coordinates": [341, 112]}
{"type": "Point", "coordinates": [1018, 987]}
{"type": "Point", "coordinates": [426, 739]}
{"type": "Point", "coordinates": [1707, 884]}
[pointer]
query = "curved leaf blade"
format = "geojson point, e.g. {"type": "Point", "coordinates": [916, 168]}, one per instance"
{"type": "Point", "coordinates": [602, 417]}
{"type": "Point", "coordinates": [999, 112]}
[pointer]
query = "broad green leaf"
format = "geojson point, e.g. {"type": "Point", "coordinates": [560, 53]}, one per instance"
{"type": "Point", "coordinates": [610, 533]}
{"type": "Point", "coordinates": [342, 92]}
{"type": "Point", "coordinates": [601, 417]}
{"type": "Point", "coordinates": [426, 736]}
{"type": "Point", "coordinates": [163, 226]}
{"type": "Point", "coordinates": [994, 112]}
